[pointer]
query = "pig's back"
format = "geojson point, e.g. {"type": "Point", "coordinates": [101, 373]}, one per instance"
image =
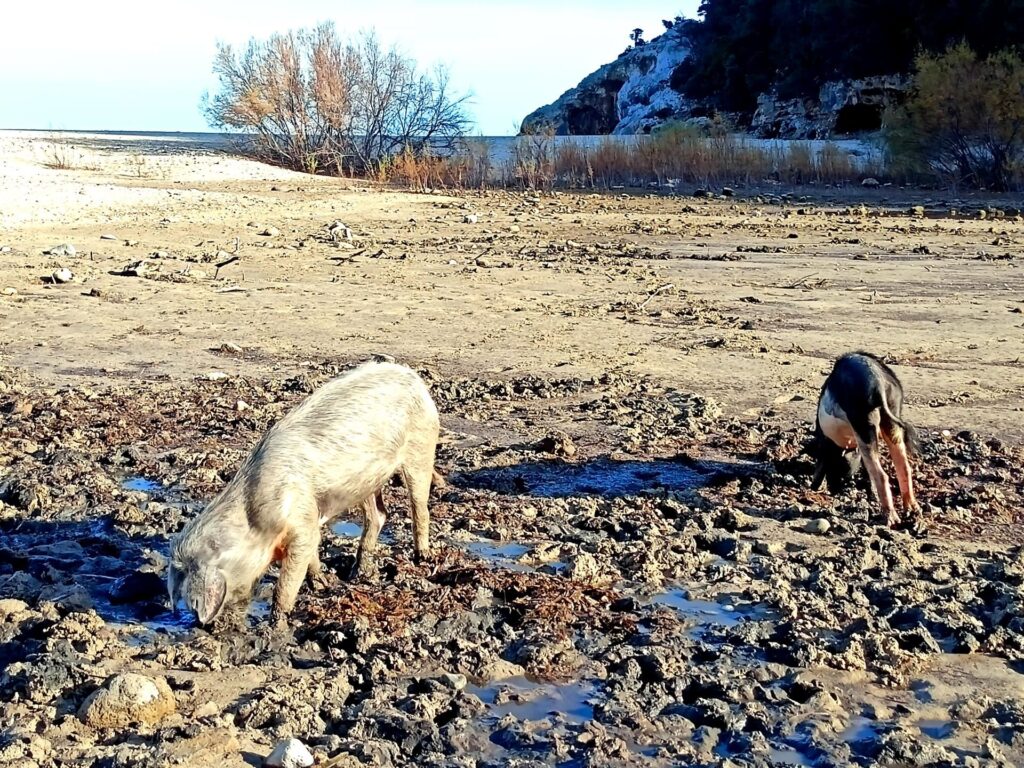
{"type": "Point", "coordinates": [353, 431]}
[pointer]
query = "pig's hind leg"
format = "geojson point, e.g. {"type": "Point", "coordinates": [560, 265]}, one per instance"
{"type": "Point", "coordinates": [868, 447]}
{"type": "Point", "coordinates": [374, 516]}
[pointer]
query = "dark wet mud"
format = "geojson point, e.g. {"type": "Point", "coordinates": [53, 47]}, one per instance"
{"type": "Point", "coordinates": [677, 604]}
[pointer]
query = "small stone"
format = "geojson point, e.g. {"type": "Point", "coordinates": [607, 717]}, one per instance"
{"type": "Point", "coordinates": [230, 348]}
{"type": "Point", "coordinates": [127, 699]}
{"type": "Point", "coordinates": [454, 681]}
{"type": "Point", "coordinates": [62, 275]}
{"type": "Point", "coordinates": [291, 753]}
{"type": "Point", "coordinates": [108, 237]}
{"type": "Point", "coordinates": [241, 406]}
{"type": "Point", "coordinates": [470, 218]}
{"type": "Point", "coordinates": [918, 211]}
{"type": "Point", "coordinates": [728, 192]}
{"type": "Point", "coordinates": [10, 291]}
{"type": "Point", "coordinates": [209, 709]}
{"type": "Point", "coordinates": [216, 376]}
{"type": "Point", "coordinates": [819, 526]}
{"type": "Point", "coordinates": [558, 443]}
{"type": "Point", "coordinates": [270, 232]}
{"type": "Point", "coordinates": [483, 262]}
{"type": "Point", "coordinates": [64, 249]}
{"type": "Point", "coordinates": [583, 567]}
{"type": "Point", "coordinates": [871, 183]}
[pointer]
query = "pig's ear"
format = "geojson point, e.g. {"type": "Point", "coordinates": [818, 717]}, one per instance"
{"type": "Point", "coordinates": [819, 475]}
{"type": "Point", "coordinates": [213, 590]}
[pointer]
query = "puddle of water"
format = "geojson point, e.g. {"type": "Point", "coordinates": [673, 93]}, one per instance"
{"type": "Point", "coordinates": [530, 700]}
{"type": "Point", "coordinates": [705, 613]}
{"type": "Point", "coordinates": [347, 528]}
{"type": "Point", "coordinates": [789, 757]}
{"type": "Point", "coordinates": [600, 477]}
{"type": "Point", "coordinates": [936, 729]}
{"type": "Point", "coordinates": [861, 732]}
{"type": "Point", "coordinates": [143, 484]}
{"type": "Point", "coordinates": [500, 555]}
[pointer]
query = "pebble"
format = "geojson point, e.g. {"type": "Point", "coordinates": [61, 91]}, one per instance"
{"type": "Point", "coordinates": [871, 183]}
{"type": "Point", "coordinates": [470, 218]}
{"type": "Point", "coordinates": [819, 526]}
{"type": "Point", "coordinates": [126, 699]}
{"type": "Point", "coordinates": [108, 237]}
{"type": "Point", "coordinates": [290, 753]}
{"type": "Point", "coordinates": [64, 249]}
{"type": "Point", "coordinates": [270, 232]}
{"type": "Point", "coordinates": [62, 275]}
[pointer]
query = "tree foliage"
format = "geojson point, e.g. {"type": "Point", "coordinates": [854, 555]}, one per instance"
{"type": "Point", "coordinates": [742, 48]}
{"type": "Point", "coordinates": [964, 118]}
{"type": "Point", "coordinates": [308, 101]}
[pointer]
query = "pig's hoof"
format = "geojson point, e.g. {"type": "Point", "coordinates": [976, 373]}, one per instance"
{"type": "Point", "coordinates": [420, 558]}
{"type": "Point", "coordinates": [362, 571]}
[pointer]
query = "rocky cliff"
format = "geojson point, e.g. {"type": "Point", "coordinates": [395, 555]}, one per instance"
{"type": "Point", "coordinates": [632, 94]}
{"type": "Point", "coordinates": [637, 92]}
{"type": "Point", "coordinates": [841, 107]}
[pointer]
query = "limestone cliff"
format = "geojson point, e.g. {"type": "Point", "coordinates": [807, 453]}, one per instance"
{"type": "Point", "coordinates": [632, 94]}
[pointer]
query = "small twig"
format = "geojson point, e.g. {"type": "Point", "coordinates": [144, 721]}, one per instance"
{"type": "Point", "coordinates": [224, 263]}
{"type": "Point", "coordinates": [665, 287]}
{"type": "Point", "coordinates": [802, 280]}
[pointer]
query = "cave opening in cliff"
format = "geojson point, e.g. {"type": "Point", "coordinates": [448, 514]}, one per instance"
{"type": "Point", "coordinates": [857, 118]}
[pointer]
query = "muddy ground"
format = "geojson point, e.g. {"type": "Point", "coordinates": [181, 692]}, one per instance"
{"type": "Point", "coordinates": [631, 569]}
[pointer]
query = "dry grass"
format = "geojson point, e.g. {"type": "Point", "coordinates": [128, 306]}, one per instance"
{"type": "Point", "coordinates": [61, 155]}
{"type": "Point", "coordinates": [668, 158]}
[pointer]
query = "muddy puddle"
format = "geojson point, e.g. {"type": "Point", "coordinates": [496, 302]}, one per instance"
{"type": "Point", "coordinates": [707, 613]}
{"type": "Point", "coordinates": [142, 484]}
{"type": "Point", "coordinates": [599, 477]}
{"type": "Point", "coordinates": [527, 699]}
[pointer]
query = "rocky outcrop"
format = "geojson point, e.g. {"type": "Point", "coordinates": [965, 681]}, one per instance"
{"type": "Point", "coordinates": [841, 107]}
{"type": "Point", "coordinates": [632, 94]}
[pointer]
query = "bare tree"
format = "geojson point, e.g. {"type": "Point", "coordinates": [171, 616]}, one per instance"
{"type": "Point", "coordinates": [311, 102]}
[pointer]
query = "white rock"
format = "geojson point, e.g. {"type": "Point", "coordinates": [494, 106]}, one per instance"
{"type": "Point", "coordinates": [871, 183]}
{"type": "Point", "coordinates": [270, 232]}
{"type": "Point", "coordinates": [470, 218]}
{"type": "Point", "coordinates": [820, 526]}
{"type": "Point", "coordinates": [64, 249]}
{"type": "Point", "coordinates": [291, 753]}
{"type": "Point", "coordinates": [126, 699]}
{"type": "Point", "coordinates": [62, 275]}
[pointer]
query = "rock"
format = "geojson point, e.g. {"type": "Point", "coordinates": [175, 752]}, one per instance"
{"type": "Point", "coordinates": [10, 607]}
{"type": "Point", "coordinates": [108, 237]}
{"type": "Point", "coordinates": [290, 753]}
{"type": "Point", "coordinates": [841, 106]}
{"type": "Point", "coordinates": [819, 526]}
{"type": "Point", "coordinates": [454, 681]}
{"type": "Point", "coordinates": [128, 699]}
{"type": "Point", "coordinates": [871, 183]}
{"type": "Point", "coordinates": [728, 192]}
{"type": "Point", "coordinates": [62, 275]}
{"type": "Point", "coordinates": [62, 250]}
{"type": "Point", "coordinates": [137, 587]}
{"type": "Point", "coordinates": [557, 443]}
{"type": "Point", "coordinates": [10, 291]}
{"type": "Point", "coordinates": [632, 94]}
{"type": "Point", "coordinates": [136, 269]}
{"type": "Point", "coordinates": [270, 232]}
{"type": "Point", "coordinates": [339, 231]}
{"type": "Point", "coordinates": [470, 218]}
{"type": "Point", "coordinates": [230, 348]}
{"type": "Point", "coordinates": [583, 567]}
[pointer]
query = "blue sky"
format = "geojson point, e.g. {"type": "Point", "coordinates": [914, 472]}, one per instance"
{"type": "Point", "coordinates": [72, 64]}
